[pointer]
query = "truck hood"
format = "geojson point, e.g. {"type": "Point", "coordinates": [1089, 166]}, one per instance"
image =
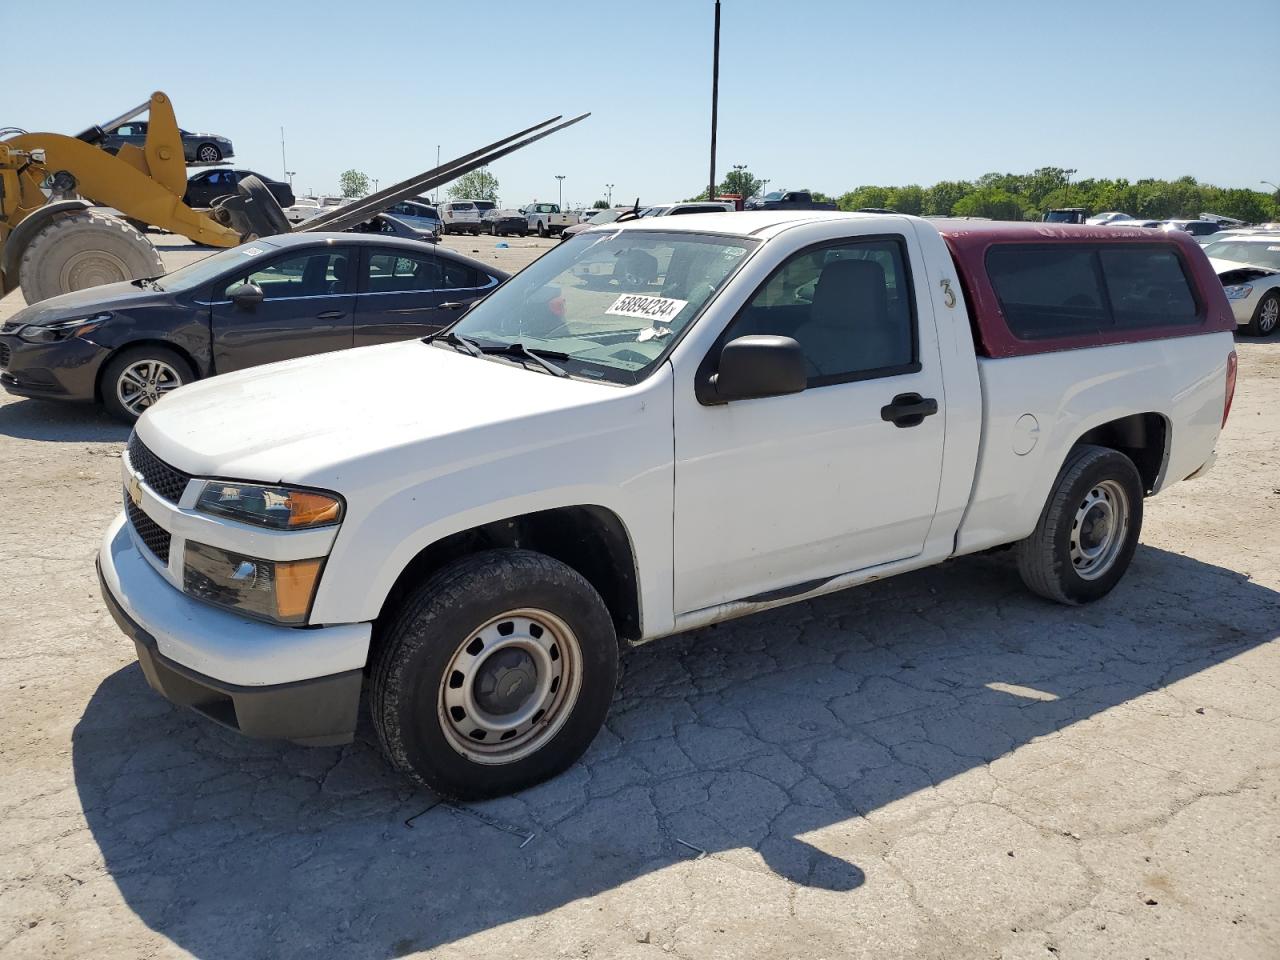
{"type": "Point", "coordinates": [83, 303]}
{"type": "Point", "coordinates": [312, 420]}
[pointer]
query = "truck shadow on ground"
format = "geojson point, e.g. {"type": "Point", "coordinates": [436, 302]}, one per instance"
{"type": "Point", "coordinates": [60, 422]}
{"type": "Point", "coordinates": [737, 740]}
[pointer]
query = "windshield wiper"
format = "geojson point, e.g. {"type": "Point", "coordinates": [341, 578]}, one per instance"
{"type": "Point", "coordinates": [518, 349]}
{"type": "Point", "coordinates": [456, 339]}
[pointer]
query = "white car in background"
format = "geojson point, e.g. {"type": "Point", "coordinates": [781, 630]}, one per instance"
{"type": "Point", "coordinates": [1111, 216]}
{"type": "Point", "coordinates": [1249, 267]}
{"type": "Point", "coordinates": [689, 206]}
{"type": "Point", "coordinates": [303, 209]}
{"type": "Point", "coordinates": [459, 216]}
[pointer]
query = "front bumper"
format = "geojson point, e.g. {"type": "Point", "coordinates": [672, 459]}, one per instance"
{"type": "Point", "coordinates": [253, 677]}
{"type": "Point", "coordinates": [66, 370]}
{"type": "Point", "coordinates": [1242, 309]}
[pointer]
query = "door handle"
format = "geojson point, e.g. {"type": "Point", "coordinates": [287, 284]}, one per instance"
{"type": "Point", "coordinates": [331, 315]}
{"type": "Point", "coordinates": [909, 410]}
{"type": "Point", "coordinates": [453, 305]}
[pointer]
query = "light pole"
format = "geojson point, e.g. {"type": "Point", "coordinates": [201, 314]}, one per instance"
{"type": "Point", "coordinates": [436, 199]}
{"type": "Point", "coordinates": [560, 177]}
{"type": "Point", "coordinates": [284, 164]}
{"type": "Point", "coordinates": [715, 102]}
{"type": "Point", "coordinates": [1271, 185]}
{"type": "Point", "coordinates": [609, 198]}
{"type": "Point", "coordinates": [764, 187]}
{"type": "Point", "coordinates": [375, 184]}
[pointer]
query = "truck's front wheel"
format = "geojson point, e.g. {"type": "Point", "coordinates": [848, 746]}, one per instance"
{"type": "Point", "coordinates": [1088, 529]}
{"type": "Point", "coordinates": [496, 674]}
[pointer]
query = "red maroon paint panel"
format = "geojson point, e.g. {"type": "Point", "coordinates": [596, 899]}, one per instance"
{"type": "Point", "coordinates": [969, 241]}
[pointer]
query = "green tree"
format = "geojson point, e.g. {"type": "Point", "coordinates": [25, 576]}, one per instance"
{"type": "Point", "coordinates": [941, 198]}
{"type": "Point", "coordinates": [740, 182]}
{"type": "Point", "coordinates": [476, 185]}
{"type": "Point", "coordinates": [908, 199]}
{"type": "Point", "coordinates": [989, 202]}
{"type": "Point", "coordinates": [865, 196]}
{"type": "Point", "coordinates": [353, 183]}
{"type": "Point", "coordinates": [600, 205]}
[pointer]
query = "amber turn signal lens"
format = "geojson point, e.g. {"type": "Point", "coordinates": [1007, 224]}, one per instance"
{"type": "Point", "coordinates": [295, 586]}
{"type": "Point", "coordinates": [308, 509]}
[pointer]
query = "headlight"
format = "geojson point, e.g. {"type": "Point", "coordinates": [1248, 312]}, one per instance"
{"type": "Point", "coordinates": [1238, 292]}
{"type": "Point", "coordinates": [61, 329]}
{"type": "Point", "coordinates": [276, 590]}
{"type": "Point", "coordinates": [281, 508]}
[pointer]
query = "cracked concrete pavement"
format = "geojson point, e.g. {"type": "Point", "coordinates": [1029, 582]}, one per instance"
{"type": "Point", "coordinates": [938, 765]}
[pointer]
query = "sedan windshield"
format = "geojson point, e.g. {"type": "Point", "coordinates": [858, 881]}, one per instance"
{"type": "Point", "coordinates": [210, 268]}
{"type": "Point", "coordinates": [1262, 254]}
{"type": "Point", "coordinates": [607, 305]}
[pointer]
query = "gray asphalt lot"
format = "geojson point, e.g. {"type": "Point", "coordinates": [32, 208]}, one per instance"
{"type": "Point", "coordinates": [939, 765]}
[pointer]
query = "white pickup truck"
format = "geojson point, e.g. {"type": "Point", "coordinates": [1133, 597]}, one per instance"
{"type": "Point", "coordinates": [753, 409]}
{"type": "Point", "coordinates": [546, 220]}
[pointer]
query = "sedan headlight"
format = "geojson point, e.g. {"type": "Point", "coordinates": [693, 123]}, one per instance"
{"type": "Point", "coordinates": [281, 508]}
{"type": "Point", "coordinates": [277, 590]}
{"type": "Point", "coordinates": [1238, 292]}
{"type": "Point", "coordinates": [61, 329]}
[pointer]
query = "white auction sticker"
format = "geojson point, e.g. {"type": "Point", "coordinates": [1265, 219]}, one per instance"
{"type": "Point", "coordinates": [647, 308]}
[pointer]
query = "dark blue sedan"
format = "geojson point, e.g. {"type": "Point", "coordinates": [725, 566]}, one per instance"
{"type": "Point", "coordinates": [125, 345]}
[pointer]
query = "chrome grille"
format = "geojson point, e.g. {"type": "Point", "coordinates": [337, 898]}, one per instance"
{"type": "Point", "coordinates": [168, 482]}
{"type": "Point", "coordinates": [155, 537]}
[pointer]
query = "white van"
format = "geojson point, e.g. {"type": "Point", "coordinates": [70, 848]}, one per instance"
{"type": "Point", "coordinates": [459, 216]}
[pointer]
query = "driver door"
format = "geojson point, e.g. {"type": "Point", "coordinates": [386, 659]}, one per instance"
{"type": "Point", "coordinates": [308, 307]}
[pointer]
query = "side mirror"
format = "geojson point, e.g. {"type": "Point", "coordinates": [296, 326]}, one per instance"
{"type": "Point", "coordinates": [246, 296]}
{"type": "Point", "coordinates": [757, 366]}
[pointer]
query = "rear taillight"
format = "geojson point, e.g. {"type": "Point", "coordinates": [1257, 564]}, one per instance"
{"type": "Point", "coordinates": [1231, 386]}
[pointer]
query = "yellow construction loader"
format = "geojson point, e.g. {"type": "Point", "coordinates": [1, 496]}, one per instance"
{"type": "Point", "coordinates": [52, 241]}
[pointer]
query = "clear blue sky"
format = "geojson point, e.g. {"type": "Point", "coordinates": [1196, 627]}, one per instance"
{"type": "Point", "coordinates": [822, 93]}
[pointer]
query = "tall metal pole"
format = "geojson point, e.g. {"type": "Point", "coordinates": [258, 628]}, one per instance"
{"type": "Point", "coordinates": [283, 164]}
{"type": "Point", "coordinates": [437, 196]}
{"type": "Point", "coordinates": [715, 103]}
{"type": "Point", "coordinates": [609, 187]}
{"type": "Point", "coordinates": [560, 177]}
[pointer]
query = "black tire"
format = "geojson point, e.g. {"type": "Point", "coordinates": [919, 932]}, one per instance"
{"type": "Point", "coordinates": [430, 632]}
{"type": "Point", "coordinates": [1045, 559]}
{"type": "Point", "coordinates": [208, 153]}
{"type": "Point", "coordinates": [444, 229]}
{"type": "Point", "coordinates": [266, 208]}
{"type": "Point", "coordinates": [1266, 315]}
{"type": "Point", "coordinates": [542, 230]}
{"type": "Point", "coordinates": [115, 398]}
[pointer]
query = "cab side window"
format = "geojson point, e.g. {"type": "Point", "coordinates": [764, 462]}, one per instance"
{"type": "Point", "coordinates": [312, 274]}
{"type": "Point", "coordinates": [849, 305]}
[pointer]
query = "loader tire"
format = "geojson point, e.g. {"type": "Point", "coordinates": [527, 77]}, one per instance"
{"type": "Point", "coordinates": [84, 250]}
{"type": "Point", "coordinates": [267, 207]}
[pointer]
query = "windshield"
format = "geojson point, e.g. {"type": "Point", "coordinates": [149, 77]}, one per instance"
{"type": "Point", "coordinates": [210, 268]}
{"type": "Point", "coordinates": [606, 306]}
{"type": "Point", "coordinates": [1262, 254]}
{"type": "Point", "coordinates": [606, 216]}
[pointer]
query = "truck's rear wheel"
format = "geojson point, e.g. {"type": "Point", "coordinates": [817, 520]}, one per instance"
{"type": "Point", "coordinates": [496, 674]}
{"type": "Point", "coordinates": [82, 250]}
{"type": "Point", "coordinates": [1088, 529]}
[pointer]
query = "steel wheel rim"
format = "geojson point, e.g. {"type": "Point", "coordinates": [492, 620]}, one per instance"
{"type": "Point", "coordinates": [92, 268]}
{"type": "Point", "coordinates": [143, 383]}
{"type": "Point", "coordinates": [1269, 314]}
{"type": "Point", "coordinates": [208, 154]}
{"type": "Point", "coordinates": [1099, 529]}
{"type": "Point", "coordinates": [519, 648]}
